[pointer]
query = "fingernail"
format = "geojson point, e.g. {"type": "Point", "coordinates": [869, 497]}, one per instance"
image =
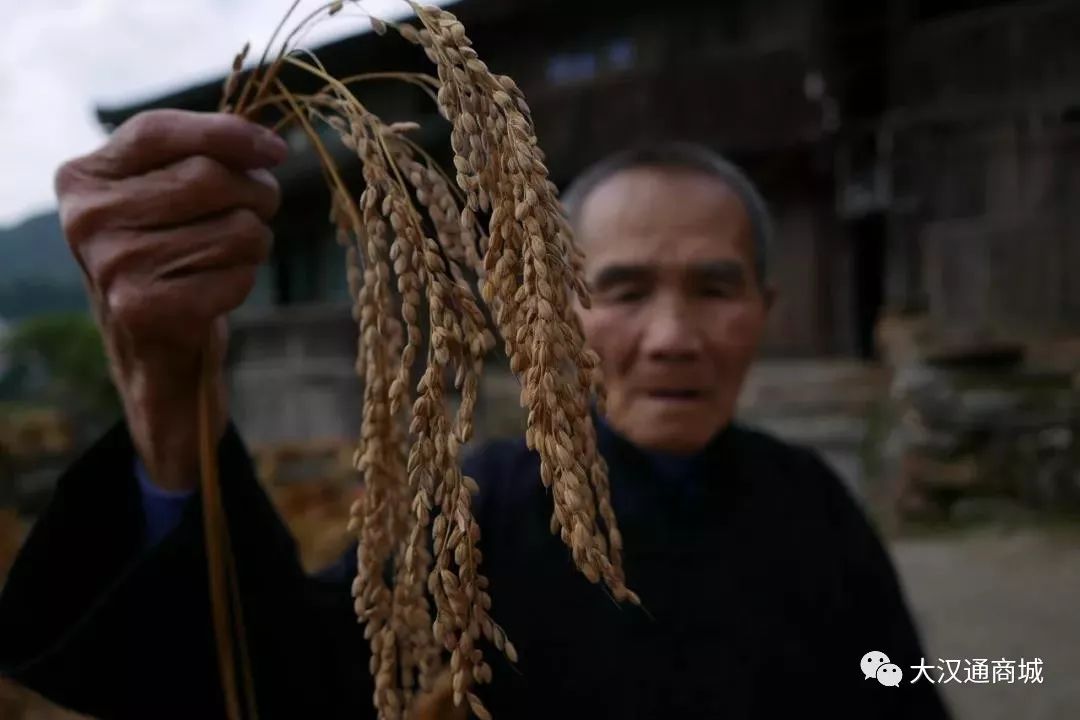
{"type": "Point", "coordinates": [263, 176]}
{"type": "Point", "coordinates": [271, 146]}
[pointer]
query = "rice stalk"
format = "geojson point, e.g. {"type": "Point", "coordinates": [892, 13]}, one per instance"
{"type": "Point", "coordinates": [416, 238]}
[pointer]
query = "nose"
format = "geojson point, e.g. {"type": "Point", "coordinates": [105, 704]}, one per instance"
{"type": "Point", "coordinates": [671, 331]}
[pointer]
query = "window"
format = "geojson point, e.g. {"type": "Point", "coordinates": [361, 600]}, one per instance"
{"type": "Point", "coordinates": [620, 54]}
{"type": "Point", "coordinates": [569, 68]}
{"type": "Point", "coordinates": [574, 67]}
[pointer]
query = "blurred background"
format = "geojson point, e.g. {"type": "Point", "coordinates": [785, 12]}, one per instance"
{"type": "Point", "coordinates": [921, 161]}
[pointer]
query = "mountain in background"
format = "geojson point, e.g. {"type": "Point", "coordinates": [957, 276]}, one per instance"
{"type": "Point", "coordinates": [37, 273]}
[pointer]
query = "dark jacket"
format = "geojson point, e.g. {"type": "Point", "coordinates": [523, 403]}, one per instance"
{"type": "Point", "coordinates": [763, 586]}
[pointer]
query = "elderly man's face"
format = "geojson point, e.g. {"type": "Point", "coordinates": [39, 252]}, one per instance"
{"type": "Point", "coordinates": [677, 313]}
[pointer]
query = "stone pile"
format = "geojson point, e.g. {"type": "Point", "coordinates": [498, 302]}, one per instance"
{"type": "Point", "coordinates": [976, 420]}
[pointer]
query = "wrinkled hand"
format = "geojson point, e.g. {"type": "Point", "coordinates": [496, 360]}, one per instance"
{"type": "Point", "coordinates": [169, 222]}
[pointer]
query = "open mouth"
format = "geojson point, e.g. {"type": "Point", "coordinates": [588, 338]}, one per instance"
{"type": "Point", "coordinates": [676, 395]}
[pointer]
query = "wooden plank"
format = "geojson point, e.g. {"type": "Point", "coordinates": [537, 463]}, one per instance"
{"type": "Point", "coordinates": [795, 321]}
{"type": "Point", "coordinates": [958, 280]}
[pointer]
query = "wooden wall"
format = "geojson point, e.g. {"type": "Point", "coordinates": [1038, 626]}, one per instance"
{"type": "Point", "coordinates": [291, 374]}
{"type": "Point", "coordinates": [987, 167]}
{"type": "Point", "coordinates": [798, 324]}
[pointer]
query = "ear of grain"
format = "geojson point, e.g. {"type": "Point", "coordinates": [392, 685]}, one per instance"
{"type": "Point", "coordinates": [496, 220]}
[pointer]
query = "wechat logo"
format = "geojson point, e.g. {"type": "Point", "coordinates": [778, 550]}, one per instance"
{"type": "Point", "coordinates": [876, 665]}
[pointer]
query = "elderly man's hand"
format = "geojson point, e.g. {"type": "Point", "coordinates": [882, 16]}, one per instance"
{"type": "Point", "coordinates": [169, 222]}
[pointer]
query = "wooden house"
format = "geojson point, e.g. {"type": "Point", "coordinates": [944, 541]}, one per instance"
{"type": "Point", "coordinates": [918, 157]}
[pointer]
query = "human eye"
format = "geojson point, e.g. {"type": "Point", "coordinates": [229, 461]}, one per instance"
{"type": "Point", "coordinates": [721, 290]}
{"type": "Point", "coordinates": [722, 281]}
{"type": "Point", "coordinates": [627, 295]}
{"type": "Point", "coordinates": [622, 285]}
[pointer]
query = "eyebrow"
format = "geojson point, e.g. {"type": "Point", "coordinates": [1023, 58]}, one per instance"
{"type": "Point", "coordinates": [719, 271]}
{"type": "Point", "coordinates": [612, 275]}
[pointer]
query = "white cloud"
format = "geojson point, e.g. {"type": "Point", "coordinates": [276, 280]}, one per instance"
{"type": "Point", "coordinates": [60, 59]}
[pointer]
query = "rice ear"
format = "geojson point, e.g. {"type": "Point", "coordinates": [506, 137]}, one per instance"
{"type": "Point", "coordinates": [496, 220]}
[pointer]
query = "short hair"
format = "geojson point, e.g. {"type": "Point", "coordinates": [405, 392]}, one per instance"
{"type": "Point", "coordinates": [681, 156]}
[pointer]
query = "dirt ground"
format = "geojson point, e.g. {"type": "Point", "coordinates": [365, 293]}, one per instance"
{"type": "Point", "coordinates": [1000, 593]}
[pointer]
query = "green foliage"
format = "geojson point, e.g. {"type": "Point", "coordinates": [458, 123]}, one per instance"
{"type": "Point", "coordinates": [26, 298]}
{"type": "Point", "coordinates": [68, 347]}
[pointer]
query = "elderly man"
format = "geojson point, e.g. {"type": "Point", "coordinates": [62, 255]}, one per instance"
{"type": "Point", "coordinates": [763, 585]}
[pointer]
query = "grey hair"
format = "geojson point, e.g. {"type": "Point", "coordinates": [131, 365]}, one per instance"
{"type": "Point", "coordinates": [681, 156]}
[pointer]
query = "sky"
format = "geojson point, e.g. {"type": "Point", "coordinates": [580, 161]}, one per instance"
{"type": "Point", "coordinates": [60, 59]}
